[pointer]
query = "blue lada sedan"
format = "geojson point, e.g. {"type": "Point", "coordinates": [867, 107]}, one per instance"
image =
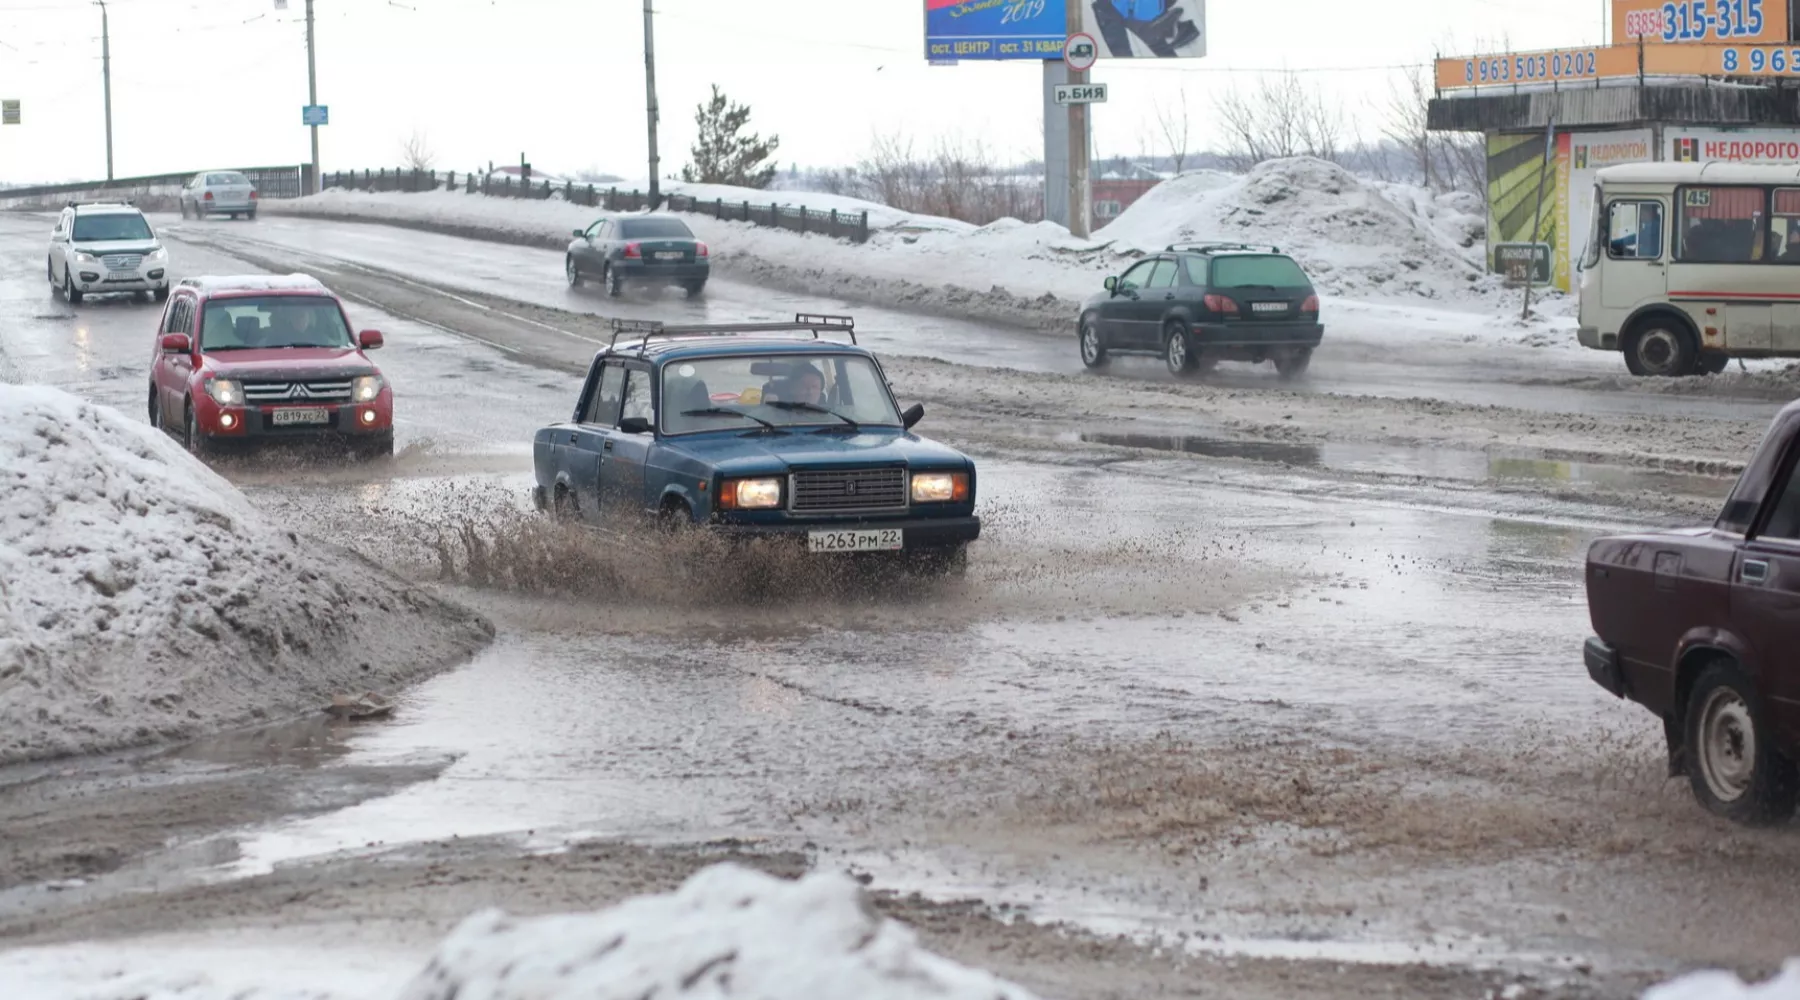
{"type": "Point", "coordinates": [757, 430]}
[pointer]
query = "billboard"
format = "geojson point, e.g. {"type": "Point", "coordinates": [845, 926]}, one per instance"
{"type": "Point", "coordinates": [1146, 29]}
{"type": "Point", "coordinates": [1748, 145]}
{"type": "Point", "coordinates": [1578, 156]}
{"type": "Point", "coordinates": [1519, 166]}
{"type": "Point", "coordinates": [1617, 62]}
{"type": "Point", "coordinates": [1762, 22]}
{"type": "Point", "coordinates": [996, 29]}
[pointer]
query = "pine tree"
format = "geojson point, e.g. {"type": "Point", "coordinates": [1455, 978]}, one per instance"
{"type": "Point", "coordinates": [723, 153]}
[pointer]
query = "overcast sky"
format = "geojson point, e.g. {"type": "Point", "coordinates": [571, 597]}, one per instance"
{"type": "Point", "coordinates": [200, 83]}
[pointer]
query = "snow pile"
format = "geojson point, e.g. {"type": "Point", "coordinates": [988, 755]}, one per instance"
{"type": "Point", "coordinates": [1718, 985]}
{"type": "Point", "coordinates": [1353, 237]}
{"type": "Point", "coordinates": [142, 598]}
{"type": "Point", "coordinates": [729, 931]}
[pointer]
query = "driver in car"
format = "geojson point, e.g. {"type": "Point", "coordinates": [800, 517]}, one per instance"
{"type": "Point", "coordinates": [292, 327]}
{"type": "Point", "coordinates": [805, 384]}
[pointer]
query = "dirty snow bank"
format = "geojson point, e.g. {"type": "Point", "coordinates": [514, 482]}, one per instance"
{"type": "Point", "coordinates": [729, 931]}
{"type": "Point", "coordinates": [1362, 241]}
{"type": "Point", "coordinates": [1718, 985]}
{"type": "Point", "coordinates": [143, 598]}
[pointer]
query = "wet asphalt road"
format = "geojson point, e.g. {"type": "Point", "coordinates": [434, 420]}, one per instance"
{"type": "Point", "coordinates": [1390, 646]}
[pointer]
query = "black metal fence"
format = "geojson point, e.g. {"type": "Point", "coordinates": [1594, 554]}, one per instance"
{"type": "Point", "coordinates": [852, 226]}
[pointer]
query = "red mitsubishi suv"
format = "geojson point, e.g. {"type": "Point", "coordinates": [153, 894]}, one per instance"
{"type": "Point", "coordinates": [265, 357]}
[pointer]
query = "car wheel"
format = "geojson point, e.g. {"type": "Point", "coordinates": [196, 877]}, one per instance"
{"type": "Point", "coordinates": [1733, 765]}
{"type": "Point", "coordinates": [695, 288]}
{"type": "Point", "coordinates": [162, 294]}
{"type": "Point", "coordinates": [1093, 346]}
{"type": "Point", "coordinates": [250, 216]}
{"type": "Point", "coordinates": [1178, 349]}
{"type": "Point", "coordinates": [197, 443]}
{"type": "Point", "coordinates": [181, 203]}
{"type": "Point", "coordinates": [155, 409]}
{"type": "Point", "coordinates": [562, 504]}
{"type": "Point", "coordinates": [1660, 348]}
{"type": "Point", "coordinates": [70, 292]}
{"type": "Point", "coordinates": [1292, 364]}
{"type": "Point", "coordinates": [374, 448]}
{"type": "Point", "coordinates": [572, 270]}
{"type": "Point", "coordinates": [615, 283]}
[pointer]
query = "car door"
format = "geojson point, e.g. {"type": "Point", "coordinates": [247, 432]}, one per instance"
{"type": "Point", "coordinates": [1117, 319]}
{"type": "Point", "coordinates": [58, 240]}
{"type": "Point", "coordinates": [591, 441]}
{"type": "Point", "coordinates": [177, 369]}
{"type": "Point", "coordinates": [622, 485]}
{"type": "Point", "coordinates": [1158, 298]}
{"type": "Point", "coordinates": [594, 251]}
{"type": "Point", "coordinates": [1765, 600]}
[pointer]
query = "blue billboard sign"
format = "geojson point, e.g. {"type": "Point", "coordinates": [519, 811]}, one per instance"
{"type": "Point", "coordinates": [995, 29]}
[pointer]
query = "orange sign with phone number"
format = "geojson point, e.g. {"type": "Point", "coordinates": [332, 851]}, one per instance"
{"type": "Point", "coordinates": [1686, 22]}
{"type": "Point", "coordinates": [1618, 61]}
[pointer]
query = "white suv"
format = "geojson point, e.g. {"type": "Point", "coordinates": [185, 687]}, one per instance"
{"type": "Point", "coordinates": [107, 247]}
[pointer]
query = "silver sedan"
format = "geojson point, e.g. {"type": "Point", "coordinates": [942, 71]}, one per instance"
{"type": "Point", "coordinates": [218, 192]}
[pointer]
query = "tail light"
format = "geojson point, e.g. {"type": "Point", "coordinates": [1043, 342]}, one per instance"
{"type": "Point", "coordinates": [631, 250]}
{"type": "Point", "coordinates": [1311, 305]}
{"type": "Point", "coordinates": [699, 249]}
{"type": "Point", "coordinates": [252, 194]}
{"type": "Point", "coordinates": [1221, 304]}
{"type": "Point", "coordinates": [209, 196]}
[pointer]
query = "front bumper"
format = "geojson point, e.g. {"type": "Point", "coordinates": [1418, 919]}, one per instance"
{"type": "Point", "coordinates": [1591, 337]}
{"type": "Point", "coordinates": [343, 420]}
{"type": "Point", "coordinates": [98, 280]}
{"type": "Point", "coordinates": [920, 533]}
{"type": "Point", "coordinates": [1603, 665]}
{"type": "Point", "coordinates": [632, 269]}
{"type": "Point", "coordinates": [1249, 333]}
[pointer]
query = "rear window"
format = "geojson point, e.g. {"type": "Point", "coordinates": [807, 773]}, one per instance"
{"type": "Point", "coordinates": [227, 177]}
{"type": "Point", "coordinates": [1249, 271]}
{"type": "Point", "coordinates": [650, 229]}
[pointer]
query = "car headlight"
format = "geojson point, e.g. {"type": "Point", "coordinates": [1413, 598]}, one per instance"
{"type": "Point", "coordinates": [158, 254]}
{"type": "Point", "coordinates": [225, 391]}
{"type": "Point", "coordinates": [751, 494]}
{"type": "Point", "coordinates": [83, 257]}
{"type": "Point", "coordinates": [940, 487]}
{"type": "Point", "coordinates": [364, 388]}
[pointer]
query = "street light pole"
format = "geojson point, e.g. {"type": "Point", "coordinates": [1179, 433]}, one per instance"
{"type": "Point", "coordinates": [650, 98]}
{"type": "Point", "coordinates": [312, 97]}
{"type": "Point", "coordinates": [106, 76]}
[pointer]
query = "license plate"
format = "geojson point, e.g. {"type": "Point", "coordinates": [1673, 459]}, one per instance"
{"type": "Point", "coordinates": [669, 255]}
{"type": "Point", "coordinates": [1269, 307]}
{"type": "Point", "coordinates": [881, 540]}
{"type": "Point", "coordinates": [302, 415]}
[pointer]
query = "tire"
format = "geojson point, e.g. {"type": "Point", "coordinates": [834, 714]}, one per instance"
{"type": "Point", "coordinates": [1178, 349]}
{"type": "Point", "coordinates": [50, 275]}
{"type": "Point", "coordinates": [162, 294]}
{"type": "Point", "coordinates": [694, 288]}
{"type": "Point", "coordinates": [1660, 347]}
{"type": "Point", "coordinates": [370, 449]}
{"type": "Point", "coordinates": [154, 410]}
{"type": "Point", "coordinates": [562, 505]}
{"type": "Point", "coordinates": [232, 216]}
{"type": "Point", "coordinates": [615, 283]}
{"type": "Point", "coordinates": [70, 292]}
{"type": "Point", "coordinates": [1712, 363]}
{"type": "Point", "coordinates": [1092, 343]}
{"type": "Point", "coordinates": [674, 518]}
{"type": "Point", "coordinates": [250, 216]}
{"type": "Point", "coordinates": [572, 270]}
{"type": "Point", "coordinates": [1292, 364]}
{"type": "Point", "coordinates": [197, 443]}
{"type": "Point", "coordinates": [1733, 765]}
{"type": "Point", "coordinates": [144, 296]}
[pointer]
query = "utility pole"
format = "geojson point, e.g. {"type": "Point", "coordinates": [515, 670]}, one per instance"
{"type": "Point", "coordinates": [650, 101]}
{"type": "Point", "coordinates": [1079, 210]}
{"type": "Point", "coordinates": [106, 76]}
{"type": "Point", "coordinates": [312, 97]}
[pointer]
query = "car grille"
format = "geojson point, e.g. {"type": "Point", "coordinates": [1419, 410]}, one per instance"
{"type": "Point", "coordinates": [122, 261]}
{"type": "Point", "coordinates": [335, 390]}
{"type": "Point", "coordinates": [849, 489]}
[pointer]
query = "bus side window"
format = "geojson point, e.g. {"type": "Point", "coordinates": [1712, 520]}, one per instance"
{"type": "Point", "coordinates": [1784, 233]}
{"type": "Point", "coordinates": [1634, 230]}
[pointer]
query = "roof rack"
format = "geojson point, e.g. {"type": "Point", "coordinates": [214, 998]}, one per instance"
{"type": "Point", "coordinates": [1211, 247]}
{"type": "Point", "coordinates": [103, 204]}
{"type": "Point", "coordinates": [647, 330]}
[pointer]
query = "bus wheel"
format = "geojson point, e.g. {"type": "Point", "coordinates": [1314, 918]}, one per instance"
{"type": "Point", "coordinates": [1658, 347]}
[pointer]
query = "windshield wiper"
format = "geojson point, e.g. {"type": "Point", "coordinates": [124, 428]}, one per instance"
{"type": "Point", "coordinates": [813, 408]}
{"type": "Point", "coordinates": [720, 411]}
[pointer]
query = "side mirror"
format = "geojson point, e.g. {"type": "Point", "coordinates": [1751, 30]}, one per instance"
{"type": "Point", "coordinates": [176, 343]}
{"type": "Point", "coordinates": [1112, 284]}
{"type": "Point", "coordinates": [634, 425]}
{"type": "Point", "coordinates": [580, 234]}
{"type": "Point", "coordinates": [913, 415]}
{"type": "Point", "coordinates": [369, 339]}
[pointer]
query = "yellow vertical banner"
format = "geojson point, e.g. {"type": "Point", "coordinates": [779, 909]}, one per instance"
{"type": "Point", "coordinates": [1560, 272]}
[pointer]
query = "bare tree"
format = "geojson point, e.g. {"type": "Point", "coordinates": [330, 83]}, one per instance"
{"type": "Point", "coordinates": [1444, 161]}
{"type": "Point", "coordinates": [1282, 117]}
{"type": "Point", "coordinates": [1174, 126]}
{"type": "Point", "coordinates": [416, 152]}
{"type": "Point", "coordinates": [959, 179]}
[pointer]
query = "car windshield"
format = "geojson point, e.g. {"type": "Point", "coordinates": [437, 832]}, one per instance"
{"type": "Point", "coordinates": [711, 394]}
{"type": "Point", "coordinates": [228, 177]}
{"type": "Point", "coordinates": [111, 226]}
{"type": "Point", "coordinates": [1255, 271]}
{"type": "Point", "coordinates": [273, 321]}
{"type": "Point", "coordinates": [650, 229]}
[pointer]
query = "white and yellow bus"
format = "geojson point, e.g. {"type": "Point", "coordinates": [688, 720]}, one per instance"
{"type": "Point", "coordinates": [1691, 264]}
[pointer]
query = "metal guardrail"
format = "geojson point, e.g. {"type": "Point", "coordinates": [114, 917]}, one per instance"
{"type": "Point", "coordinates": [271, 182]}
{"type": "Point", "coordinates": [852, 226]}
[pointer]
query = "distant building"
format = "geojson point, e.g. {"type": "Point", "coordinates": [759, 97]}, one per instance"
{"type": "Point", "coordinates": [1112, 195]}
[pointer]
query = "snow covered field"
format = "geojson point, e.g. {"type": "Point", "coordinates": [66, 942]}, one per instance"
{"type": "Point", "coordinates": [142, 598]}
{"type": "Point", "coordinates": [1396, 264]}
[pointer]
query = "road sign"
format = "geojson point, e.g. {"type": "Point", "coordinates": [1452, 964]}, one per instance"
{"type": "Point", "coordinates": [315, 114]}
{"type": "Point", "coordinates": [9, 112]}
{"type": "Point", "coordinates": [1079, 52]}
{"type": "Point", "coordinates": [1080, 93]}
